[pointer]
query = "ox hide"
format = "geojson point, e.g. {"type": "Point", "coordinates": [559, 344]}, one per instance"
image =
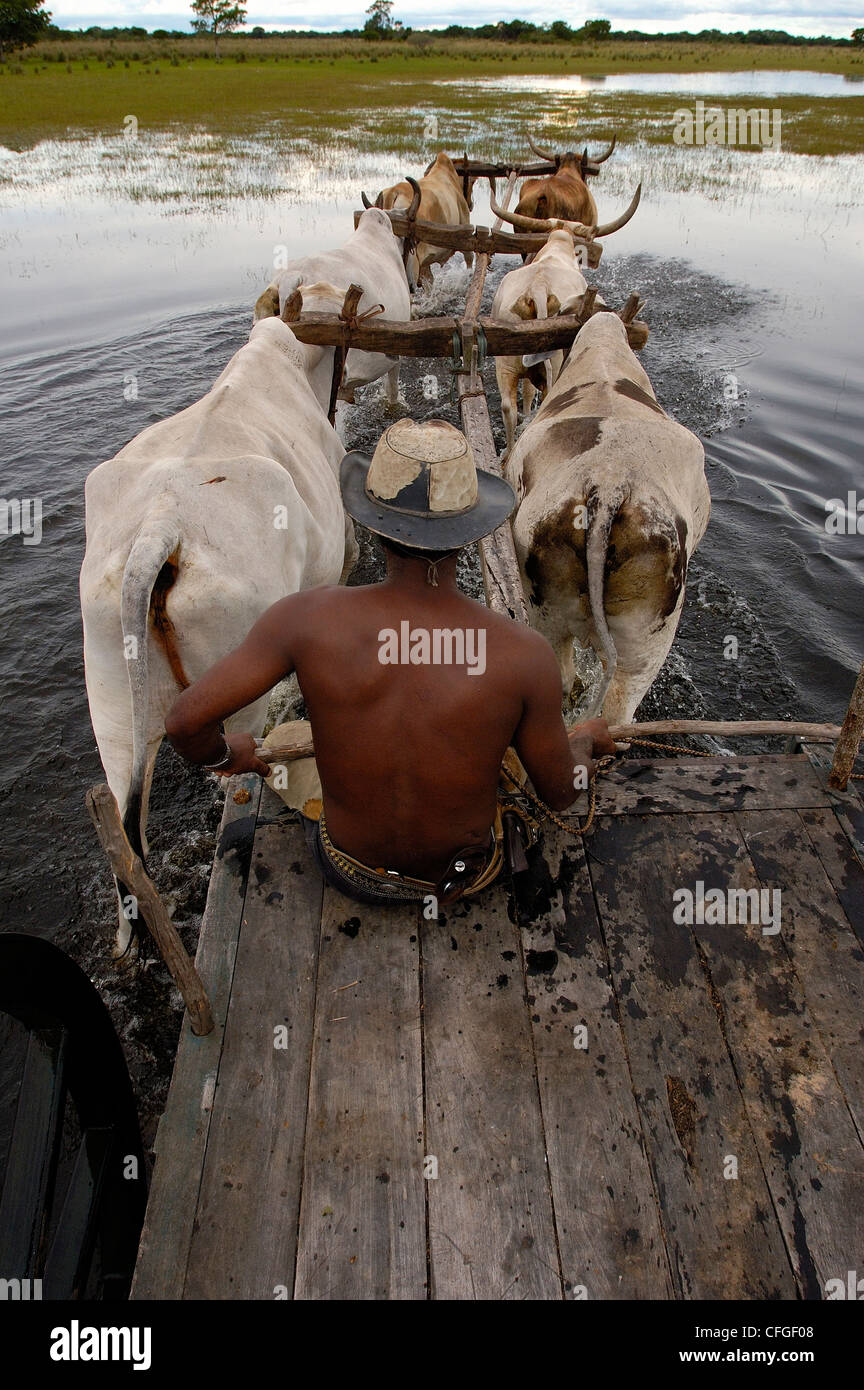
{"type": "Point", "coordinates": [193, 530]}
{"type": "Point", "coordinates": [613, 502]}
{"type": "Point", "coordinates": [370, 258]}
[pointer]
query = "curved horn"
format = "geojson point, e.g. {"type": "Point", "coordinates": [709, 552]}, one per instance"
{"type": "Point", "coordinates": [366, 202]}
{"type": "Point", "coordinates": [608, 227]}
{"type": "Point", "coordinates": [415, 201]}
{"type": "Point", "coordinates": [429, 166]}
{"type": "Point", "coordinates": [543, 224]}
{"type": "Point", "coordinates": [544, 154]}
{"type": "Point", "coordinates": [518, 219]}
{"type": "Point", "coordinates": [601, 158]}
{"type": "Point", "coordinates": [379, 201]}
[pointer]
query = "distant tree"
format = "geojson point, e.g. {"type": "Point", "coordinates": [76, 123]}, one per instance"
{"type": "Point", "coordinates": [216, 17]}
{"type": "Point", "coordinates": [858, 36]}
{"type": "Point", "coordinates": [596, 29]}
{"type": "Point", "coordinates": [258, 32]}
{"type": "Point", "coordinates": [22, 22]}
{"type": "Point", "coordinates": [380, 24]}
{"type": "Point", "coordinates": [560, 29]}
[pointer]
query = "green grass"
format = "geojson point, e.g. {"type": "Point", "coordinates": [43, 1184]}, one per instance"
{"type": "Point", "coordinates": [87, 85]}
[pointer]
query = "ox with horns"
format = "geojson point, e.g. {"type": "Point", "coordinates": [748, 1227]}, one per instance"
{"type": "Point", "coordinates": [193, 530]}
{"type": "Point", "coordinates": [371, 258]}
{"type": "Point", "coordinates": [568, 222]}
{"type": "Point", "coordinates": [564, 193]}
{"type": "Point", "coordinates": [438, 197]}
{"type": "Point", "coordinates": [613, 503]}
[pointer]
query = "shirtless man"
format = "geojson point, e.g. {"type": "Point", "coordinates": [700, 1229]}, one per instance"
{"type": "Point", "coordinates": [408, 752]}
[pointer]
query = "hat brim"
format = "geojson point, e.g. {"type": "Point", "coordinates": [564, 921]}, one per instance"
{"type": "Point", "coordinates": [495, 502]}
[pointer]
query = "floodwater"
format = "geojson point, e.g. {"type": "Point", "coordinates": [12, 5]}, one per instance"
{"type": "Point", "coordinates": [129, 272]}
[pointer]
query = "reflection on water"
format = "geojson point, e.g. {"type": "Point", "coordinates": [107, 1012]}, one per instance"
{"type": "Point", "coordinates": [764, 84]}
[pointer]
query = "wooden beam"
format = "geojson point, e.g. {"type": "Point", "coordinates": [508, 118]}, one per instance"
{"type": "Point", "coordinates": [301, 745]}
{"type": "Point", "coordinates": [850, 737]}
{"type": "Point", "coordinates": [127, 867]}
{"type": "Point", "coordinates": [481, 240]}
{"type": "Point", "coordinates": [731, 728]}
{"type": "Point", "coordinates": [433, 337]}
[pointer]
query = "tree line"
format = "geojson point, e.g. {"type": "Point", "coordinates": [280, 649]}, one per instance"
{"type": "Point", "coordinates": [23, 22]}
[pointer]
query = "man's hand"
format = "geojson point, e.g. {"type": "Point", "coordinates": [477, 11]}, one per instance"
{"type": "Point", "coordinates": [244, 757]}
{"type": "Point", "coordinates": [590, 741]}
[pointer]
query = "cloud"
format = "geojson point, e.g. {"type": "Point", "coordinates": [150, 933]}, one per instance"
{"type": "Point", "coordinates": [837, 19]}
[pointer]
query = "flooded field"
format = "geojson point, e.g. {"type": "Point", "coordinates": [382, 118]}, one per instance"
{"type": "Point", "coordinates": [129, 271]}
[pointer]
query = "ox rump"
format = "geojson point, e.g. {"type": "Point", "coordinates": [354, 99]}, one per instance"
{"type": "Point", "coordinates": [370, 258]}
{"type": "Point", "coordinates": [551, 284]}
{"type": "Point", "coordinates": [613, 502]}
{"type": "Point", "coordinates": [193, 530]}
{"type": "Point", "coordinates": [437, 197]}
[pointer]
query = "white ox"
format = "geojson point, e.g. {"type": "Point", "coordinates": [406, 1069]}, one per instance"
{"type": "Point", "coordinates": [370, 258]}
{"type": "Point", "coordinates": [193, 530]}
{"type": "Point", "coordinates": [613, 503]}
{"type": "Point", "coordinates": [552, 284]}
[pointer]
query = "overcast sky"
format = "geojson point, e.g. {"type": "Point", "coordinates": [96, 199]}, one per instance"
{"type": "Point", "coordinates": [838, 17]}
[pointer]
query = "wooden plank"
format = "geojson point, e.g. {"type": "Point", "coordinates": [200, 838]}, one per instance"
{"type": "Point", "coordinates": [165, 1239]}
{"type": "Point", "coordinates": [809, 1149]}
{"type": "Point", "coordinates": [491, 1230]}
{"type": "Point", "coordinates": [848, 802]}
{"type": "Point", "coordinates": [245, 1236]}
{"type": "Point", "coordinates": [841, 864]}
{"type": "Point", "coordinates": [722, 1235]}
{"type": "Point", "coordinates": [662, 786]}
{"type": "Point", "coordinates": [606, 1215]}
{"type": "Point", "coordinates": [363, 1217]}
{"type": "Point", "coordinates": [825, 952]}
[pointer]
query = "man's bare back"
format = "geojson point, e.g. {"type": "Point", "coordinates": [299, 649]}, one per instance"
{"type": "Point", "coordinates": [408, 751]}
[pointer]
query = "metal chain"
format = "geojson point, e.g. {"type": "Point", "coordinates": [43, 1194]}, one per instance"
{"type": "Point", "coordinates": [602, 766]}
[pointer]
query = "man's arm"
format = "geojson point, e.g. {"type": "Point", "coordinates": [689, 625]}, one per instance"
{"type": "Point", "coordinates": [549, 753]}
{"type": "Point", "coordinates": [253, 668]}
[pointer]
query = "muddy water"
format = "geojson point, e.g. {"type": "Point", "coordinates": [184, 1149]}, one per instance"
{"type": "Point", "coordinates": [128, 281]}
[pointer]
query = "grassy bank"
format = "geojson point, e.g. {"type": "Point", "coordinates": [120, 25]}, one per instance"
{"type": "Point", "coordinates": [93, 84]}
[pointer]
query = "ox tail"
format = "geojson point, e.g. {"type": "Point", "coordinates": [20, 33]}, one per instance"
{"type": "Point", "coordinates": [600, 520]}
{"type": "Point", "coordinates": [149, 574]}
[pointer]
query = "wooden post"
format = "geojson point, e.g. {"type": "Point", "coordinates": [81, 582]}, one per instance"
{"type": "Point", "coordinates": [850, 737]}
{"type": "Point", "coordinates": [127, 867]}
{"type": "Point", "coordinates": [349, 309]}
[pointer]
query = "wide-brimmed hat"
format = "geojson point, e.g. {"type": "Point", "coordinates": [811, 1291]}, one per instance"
{"type": "Point", "coordinates": [423, 489]}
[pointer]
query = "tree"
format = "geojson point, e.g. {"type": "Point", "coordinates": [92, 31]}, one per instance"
{"type": "Point", "coordinates": [379, 25]}
{"type": "Point", "coordinates": [216, 17]}
{"type": "Point", "coordinates": [22, 22]}
{"type": "Point", "coordinates": [596, 29]}
{"type": "Point", "coordinates": [858, 36]}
